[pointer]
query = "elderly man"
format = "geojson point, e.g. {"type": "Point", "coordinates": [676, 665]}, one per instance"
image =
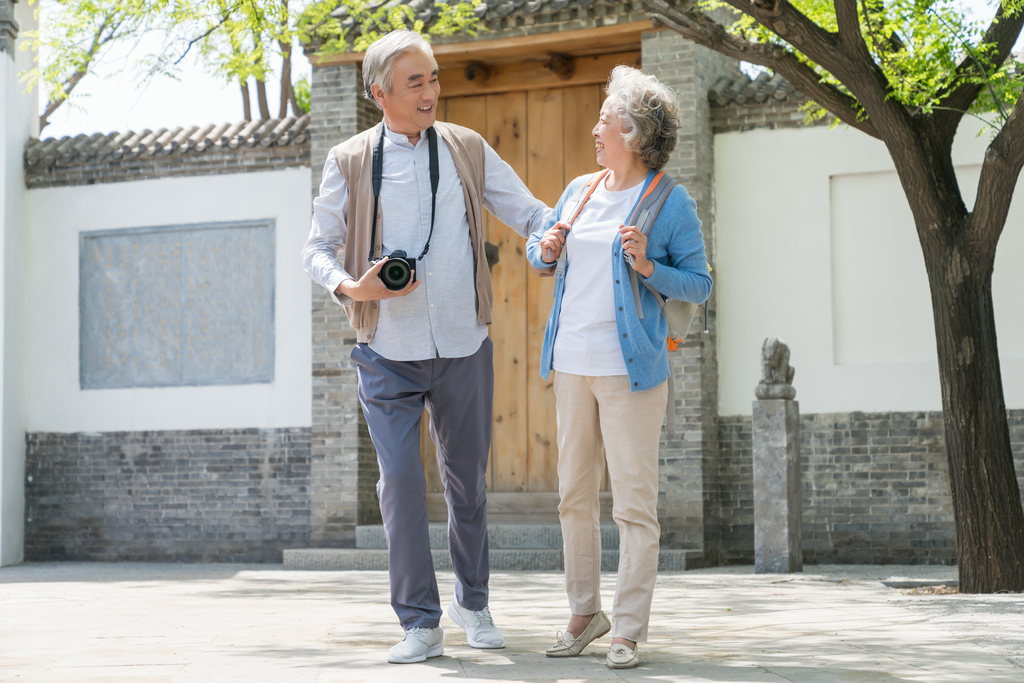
{"type": "Point", "coordinates": [413, 190]}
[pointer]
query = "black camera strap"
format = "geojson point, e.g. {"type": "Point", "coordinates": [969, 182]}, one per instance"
{"type": "Point", "coordinates": [378, 176]}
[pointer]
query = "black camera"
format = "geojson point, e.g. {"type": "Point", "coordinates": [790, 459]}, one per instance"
{"type": "Point", "coordinates": [398, 270]}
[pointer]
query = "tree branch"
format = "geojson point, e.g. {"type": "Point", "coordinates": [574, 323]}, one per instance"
{"type": "Point", "coordinates": [53, 104]}
{"type": "Point", "coordinates": [1002, 33]}
{"type": "Point", "coordinates": [703, 30]}
{"type": "Point", "coordinates": [98, 41]}
{"type": "Point", "coordinates": [848, 21]}
{"type": "Point", "coordinates": [223, 20]}
{"type": "Point", "coordinates": [999, 172]}
{"type": "Point", "coordinates": [788, 23]}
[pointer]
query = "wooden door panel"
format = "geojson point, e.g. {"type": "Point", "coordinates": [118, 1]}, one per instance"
{"type": "Point", "coordinates": [506, 133]}
{"type": "Point", "coordinates": [582, 109]}
{"type": "Point", "coordinates": [545, 136]}
{"type": "Point", "coordinates": [546, 180]}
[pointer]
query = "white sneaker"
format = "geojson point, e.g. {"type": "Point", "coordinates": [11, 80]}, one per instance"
{"type": "Point", "coordinates": [480, 629]}
{"type": "Point", "coordinates": [418, 644]}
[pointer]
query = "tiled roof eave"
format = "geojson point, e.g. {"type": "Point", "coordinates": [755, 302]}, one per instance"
{"type": "Point", "coordinates": [764, 89]}
{"type": "Point", "coordinates": [182, 141]}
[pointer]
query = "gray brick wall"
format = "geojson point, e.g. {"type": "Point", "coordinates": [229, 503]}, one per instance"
{"type": "Point", "coordinates": [173, 165]}
{"type": "Point", "coordinates": [225, 495]}
{"type": "Point", "coordinates": [689, 495]}
{"type": "Point", "coordinates": [344, 464]}
{"type": "Point", "coordinates": [744, 117]}
{"type": "Point", "coordinates": [876, 488]}
{"type": "Point", "coordinates": [8, 26]}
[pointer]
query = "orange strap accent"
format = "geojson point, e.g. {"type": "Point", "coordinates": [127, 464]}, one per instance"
{"type": "Point", "coordinates": [650, 188]}
{"type": "Point", "coordinates": [673, 344]}
{"type": "Point", "coordinates": [592, 185]}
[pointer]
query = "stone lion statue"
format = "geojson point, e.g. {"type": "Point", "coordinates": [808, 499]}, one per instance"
{"type": "Point", "coordinates": [776, 373]}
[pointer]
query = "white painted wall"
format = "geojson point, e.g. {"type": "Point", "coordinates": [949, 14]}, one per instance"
{"type": "Point", "coordinates": [18, 121]}
{"type": "Point", "coordinates": [816, 245]}
{"type": "Point", "coordinates": [56, 403]}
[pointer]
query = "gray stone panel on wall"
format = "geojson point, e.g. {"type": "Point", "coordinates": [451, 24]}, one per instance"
{"type": "Point", "coordinates": [222, 495]}
{"type": "Point", "coordinates": [177, 305]}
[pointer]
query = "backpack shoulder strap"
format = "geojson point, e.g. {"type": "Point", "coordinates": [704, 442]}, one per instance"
{"type": "Point", "coordinates": [643, 217]}
{"type": "Point", "coordinates": [647, 209]}
{"type": "Point", "coordinates": [574, 211]}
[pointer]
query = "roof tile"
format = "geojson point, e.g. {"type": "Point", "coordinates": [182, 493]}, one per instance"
{"type": "Point", "coordinates": [179, 141]}
{"type": "Point", "coordinates": [764, 88]}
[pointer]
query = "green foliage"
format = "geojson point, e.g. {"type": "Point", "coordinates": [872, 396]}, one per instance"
{"type": "Point", "coordinates": [302, 94]}
{"type": "Point", "coordinates": [74, 34]}
{"type": "Point", "coordinates": [369, 22]}
{"type": "Point", "coordinates": [237, 39]}
{"type": "Point", "coordinates": [917, 45]}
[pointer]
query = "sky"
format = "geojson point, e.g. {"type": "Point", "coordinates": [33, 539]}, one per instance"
{"type": "Point", "coordinates": [111, 100]}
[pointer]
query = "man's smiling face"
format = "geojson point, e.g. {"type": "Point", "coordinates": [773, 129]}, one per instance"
{"type": "Point", "coordinates": [411, 107]}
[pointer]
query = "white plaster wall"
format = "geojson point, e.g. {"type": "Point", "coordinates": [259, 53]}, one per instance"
{"type": "Point", "coordinates": [816, 245]}
{"type": "Point", "coordinates": [56, 403]}
{"type": "Point", "coordinates": [18, 112]}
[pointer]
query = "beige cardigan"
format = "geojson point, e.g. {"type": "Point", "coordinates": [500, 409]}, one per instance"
{"type": "Point", "coordinates": [355, 159]}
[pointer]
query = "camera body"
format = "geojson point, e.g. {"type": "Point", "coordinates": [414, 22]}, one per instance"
{"type": "Point", "coordinates": [398, 271]}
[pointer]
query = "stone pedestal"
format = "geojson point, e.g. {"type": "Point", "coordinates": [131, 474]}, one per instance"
{"type": "Point", "coordinates": [777, 491]}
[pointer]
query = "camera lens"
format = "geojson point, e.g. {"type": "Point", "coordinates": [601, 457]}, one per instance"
{"type": "Point", "coordinates": [396, 272]}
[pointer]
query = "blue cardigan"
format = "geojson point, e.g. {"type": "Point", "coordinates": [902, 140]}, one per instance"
{"type": "Point", "coordinates": [675, 245]}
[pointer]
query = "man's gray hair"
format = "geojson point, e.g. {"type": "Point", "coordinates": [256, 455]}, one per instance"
{"type": "Point", "coordinates": [647, 112]}
{"type": "Point", "coordinates": [381, 55]}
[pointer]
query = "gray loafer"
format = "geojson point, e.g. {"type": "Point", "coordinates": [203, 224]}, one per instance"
{"type": "Point", "coordinates": [567, 646]}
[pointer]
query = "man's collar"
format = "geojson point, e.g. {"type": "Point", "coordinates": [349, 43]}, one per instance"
{"type": "Point", "coordinates": [398, 138]}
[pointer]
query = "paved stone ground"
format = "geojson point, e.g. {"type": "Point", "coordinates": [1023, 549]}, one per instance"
{"type": "Point", "coordinates": [153, 622]}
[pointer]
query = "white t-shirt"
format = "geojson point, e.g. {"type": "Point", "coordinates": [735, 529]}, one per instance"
{"type": "Point", "coordinates": [587, 342]}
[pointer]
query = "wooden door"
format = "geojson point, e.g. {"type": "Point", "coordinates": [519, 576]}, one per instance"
{"type": "Point", "coordinates": [545, 136]}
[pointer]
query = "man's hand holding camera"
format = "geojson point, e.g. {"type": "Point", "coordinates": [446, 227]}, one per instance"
{"type": "Point", "coordinates": [370, 287]}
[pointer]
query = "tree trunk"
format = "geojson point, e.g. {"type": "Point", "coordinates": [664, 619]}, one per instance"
{"type": "Point", "coordinates": [286, 80]}
{"type": "Point", "coordinates": [986, 499]}
{"type": "Point", "coordinates": [261, 97]}
{"type": "Point", "coordinates": [246, 106]}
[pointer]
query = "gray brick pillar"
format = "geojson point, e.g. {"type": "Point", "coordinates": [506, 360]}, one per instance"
{"type": "Point", "coordinates": [343, 472]}
{"type": "Point", "coordinates": [8, 27]}
{"type": "Point", "coordinates": [689, 491]}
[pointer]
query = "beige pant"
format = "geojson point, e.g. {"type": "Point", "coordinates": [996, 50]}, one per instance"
{"type": "Point", "coordinates": [596, 411]}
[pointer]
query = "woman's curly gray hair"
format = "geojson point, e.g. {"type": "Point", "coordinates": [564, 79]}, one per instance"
{"type": "Point", "coordinates": [648, 114]}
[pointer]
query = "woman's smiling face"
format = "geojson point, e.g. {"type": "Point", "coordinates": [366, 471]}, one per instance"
{"type": "Point", "coordinates": [608, 141]}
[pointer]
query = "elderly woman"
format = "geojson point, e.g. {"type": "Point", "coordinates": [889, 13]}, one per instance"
{"type": "Point", "coordinates": [610, 361]}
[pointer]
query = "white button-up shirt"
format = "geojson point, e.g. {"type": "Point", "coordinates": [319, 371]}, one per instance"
{"type": "Point", "coordinates": [439, 318]}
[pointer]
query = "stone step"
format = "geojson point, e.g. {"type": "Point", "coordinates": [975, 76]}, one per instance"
{"type": "Point", "coordinates": [499, 537]}
{"type": "Point", "coordinates": [342, 559]}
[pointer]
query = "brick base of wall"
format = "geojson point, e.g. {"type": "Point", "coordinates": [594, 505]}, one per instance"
{"type": "Point", "coordinates": [876, 488]}
{"type": "Point", "coordinates": [231, 495]}
{"type": "Point", "coordinates": [876, 491]}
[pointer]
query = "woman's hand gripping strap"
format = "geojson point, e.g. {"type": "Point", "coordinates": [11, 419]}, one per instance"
{"type": "Point", "coordinates": [574, 211]}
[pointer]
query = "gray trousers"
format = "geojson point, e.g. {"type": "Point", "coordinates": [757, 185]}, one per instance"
{"type": "Point", "coordinates": [459, 393]}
